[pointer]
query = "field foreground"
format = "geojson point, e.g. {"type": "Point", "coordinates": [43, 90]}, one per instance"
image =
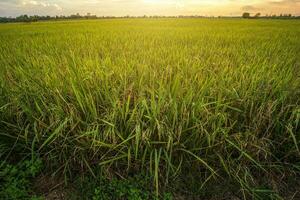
{"type": "Point", "coordinates": [201, 108]}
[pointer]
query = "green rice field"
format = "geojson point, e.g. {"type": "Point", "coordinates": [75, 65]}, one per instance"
{"type": "Point", "coordinates": [197, 105]}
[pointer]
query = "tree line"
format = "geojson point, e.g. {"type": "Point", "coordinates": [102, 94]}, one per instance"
{"type": "Point", "coordinates": [247, 15]}
{"type": "Point", "coordinates": [35, 18]}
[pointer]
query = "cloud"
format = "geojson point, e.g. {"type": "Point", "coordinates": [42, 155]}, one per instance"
{"type": "Point", "coordinates": [44, 4]}
{"type": "Point", "coordinates": [285, 2]}
{"type": "Point", "coordinates": [250, 8]}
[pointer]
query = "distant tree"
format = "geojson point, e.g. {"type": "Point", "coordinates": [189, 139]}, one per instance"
{"type": "Point", "coordinates": [34, 18]}
{"type": "Point", "coordinates": [257, 15]}
{"type": "Point", "coordinates": [246, 15]}
{"type": "Point", "coordinates": [23, 18]}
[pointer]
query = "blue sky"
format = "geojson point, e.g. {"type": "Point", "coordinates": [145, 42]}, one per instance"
{"type": "Point", "coordinates": [148, 7]}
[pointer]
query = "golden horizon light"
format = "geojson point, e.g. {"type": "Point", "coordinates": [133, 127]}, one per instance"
{"type": "Point", "coordinates": [148, 7]}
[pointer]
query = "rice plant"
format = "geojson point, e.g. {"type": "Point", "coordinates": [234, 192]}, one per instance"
{"type": "Point", "coordinates": [210, 99]}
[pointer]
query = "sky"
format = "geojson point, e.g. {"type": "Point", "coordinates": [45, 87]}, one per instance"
{"type": "Point", "coordinates": [147, 7]}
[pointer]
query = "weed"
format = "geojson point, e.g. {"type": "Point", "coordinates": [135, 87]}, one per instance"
{"type": "Point", "coordinates": [16, 179]}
